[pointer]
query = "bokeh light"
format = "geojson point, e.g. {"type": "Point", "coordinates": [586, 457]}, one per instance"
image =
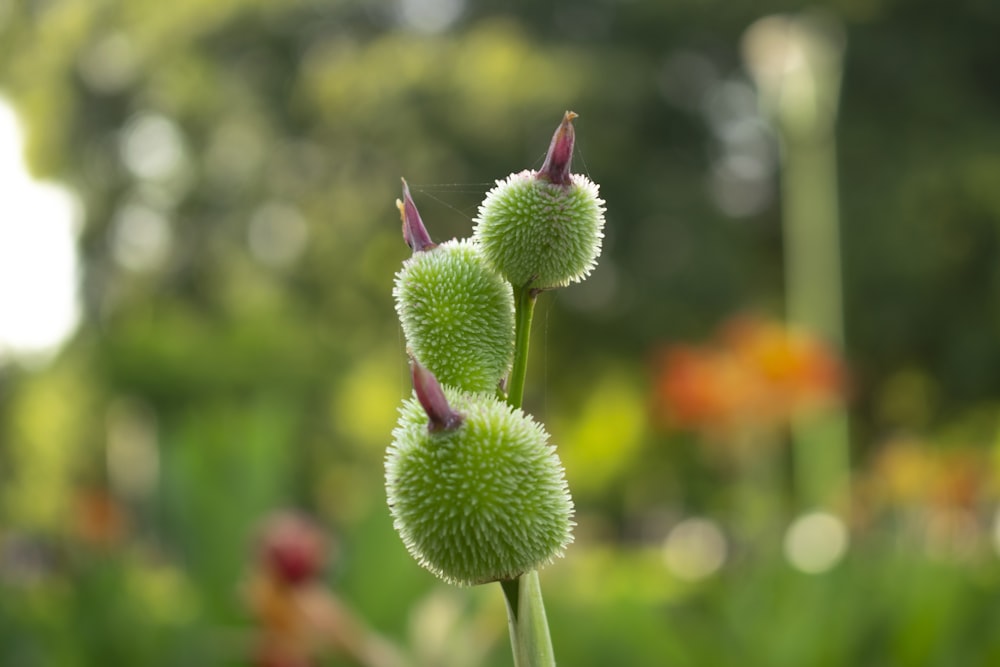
{"type": "Point", "coordinates": [816, 542]}
{"type": "Point", "coordinates": [694, 549]}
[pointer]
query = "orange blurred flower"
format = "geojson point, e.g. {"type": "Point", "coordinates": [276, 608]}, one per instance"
{"type": "Point", "coordinates": [98, 519]}
{"type": "Point", "coordinates": [755, 373]}
{"type": "Point", "coordinates": [938, 495]}
{"type": "Point", "coordinates": [911, 473]}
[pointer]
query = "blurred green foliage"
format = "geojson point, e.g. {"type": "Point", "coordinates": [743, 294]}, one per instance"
{"type": "Point", "coordinates": [238, 161]}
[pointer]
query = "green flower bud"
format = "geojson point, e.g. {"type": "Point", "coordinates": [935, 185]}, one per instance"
{"type": "Point", "coordinates": [457, 315]}
{"type": "Point", "coordinates": [484, 499]}
{"type": "Point", "coordinates": [544, 228]}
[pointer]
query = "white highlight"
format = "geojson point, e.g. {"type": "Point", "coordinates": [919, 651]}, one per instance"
{"type": "Point", "coordinates": [110, 65]}
{"type": "Point", "coordinates": [38, 262]}
{"type": "Point", "coordinates": [430, 16]}
{"type": "Point", "coordinates": [695, 549]}
{"type": "Point", "coordinates": [815, 542]}
{"type": "Point", "coordinates": [141, 237]}
{"type": "Point", "coordinates": [152, 147]}
{"type": "Point", "coordinates": [133, 454]}
{"type": "Point", "coordinates": [277, 234]}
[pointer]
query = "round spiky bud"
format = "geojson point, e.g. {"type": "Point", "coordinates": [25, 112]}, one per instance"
{"type": "Point", "coordinates": [482, 500]}
{"type": "Point", "coordinates": [544, 228]}
{"type": "Point", "coordinates": [457, 315]}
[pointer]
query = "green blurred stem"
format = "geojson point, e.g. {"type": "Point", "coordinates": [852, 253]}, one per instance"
{"type": "Point", "coordinates": [797, 61]}
{"type": "Point", "coordinates": [529, 629]}
{"type": "Point", "coordinates": [756, 490]}
{"type": "Point", "coordinates": [812, 261]}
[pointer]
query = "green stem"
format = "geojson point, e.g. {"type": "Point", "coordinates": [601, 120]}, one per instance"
{"type": "Point", "coordinates": [821, 443]}
{"type": "Point", "coordinates": [524, 309]}
{"type": "Point", "coordinates": [529, 628]}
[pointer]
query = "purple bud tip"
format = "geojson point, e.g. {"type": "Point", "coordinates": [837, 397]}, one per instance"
{"type": "Point", "coordinates": [432, 399]}
{"type": "Point", "coordinates": [414, 232]}
{"type": "Point", "coordinates": [557, 161]}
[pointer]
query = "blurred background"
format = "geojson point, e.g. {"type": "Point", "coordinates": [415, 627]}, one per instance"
{"type": "Point", "coordinates": [777, 398]}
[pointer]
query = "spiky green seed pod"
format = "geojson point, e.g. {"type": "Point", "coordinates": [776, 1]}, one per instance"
{"type": "Point", "coordinates": [541, 234]}
{"type": "Point", "coordinates": [481, 501]}
{"type": "Point", "coordinates": [544, 228]}
{"type": "Point", "coordinates": [457, 315]}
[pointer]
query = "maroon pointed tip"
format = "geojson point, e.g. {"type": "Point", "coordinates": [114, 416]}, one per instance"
{"type": "Point", "coordinates": [414, 232]}
{"type": "Point", "coordinates": [433, 400]}
{"type": "Point", "coordinates": [556, 167]}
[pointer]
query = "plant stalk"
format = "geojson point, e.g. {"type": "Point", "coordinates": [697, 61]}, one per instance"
{"type": "Point", "coordinates": [524, 309]}
{"type": "Point", "coordinates": [807, 123]}
{"type": "Point", "coordinates": [530, 641]}
{"type": "Point", "coordinates": [529, 629]}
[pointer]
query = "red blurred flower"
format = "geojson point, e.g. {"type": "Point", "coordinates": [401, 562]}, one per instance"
{"type": "Point", "coordinates": [283, 587]}
{"type": "Point", "coordinates": [298, 618]}
{"type": "Point", "coordinates": [292, 548]}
